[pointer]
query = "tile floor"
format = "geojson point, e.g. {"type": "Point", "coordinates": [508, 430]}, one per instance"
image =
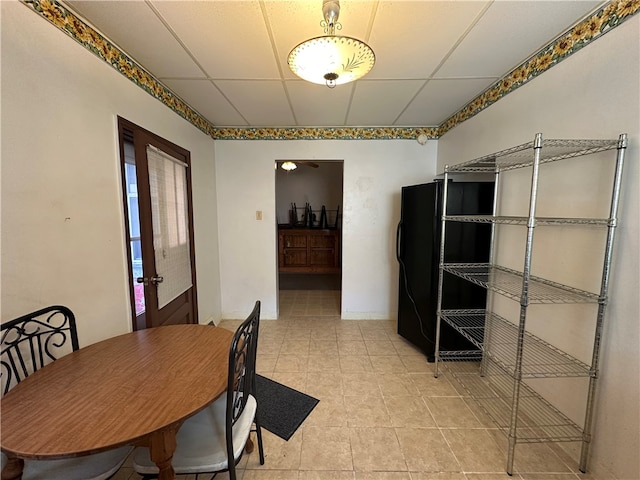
{"type": "Point", "coordinates": [382, 415]}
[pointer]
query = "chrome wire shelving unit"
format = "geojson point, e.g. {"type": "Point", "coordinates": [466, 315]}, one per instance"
{"type": "Point", "coordinates": [497, 375]}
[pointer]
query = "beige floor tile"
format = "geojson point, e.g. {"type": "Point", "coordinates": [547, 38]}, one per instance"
{"type": "Point", "coordinates": [361, 384]}
{"type": "Point", "coordinates": [324, 363]}
{"type": "Point", "coordinates": [324, 385]}
{"type": "Point", "coordinates": [426, 450]}
{"type": "Point", "coordinates": [295, 346]}
{"type": "Point", "coordinates": [325, 475]}
{"type": "Point", "coordinates": [265, 364]}
{"type": "Point", "coordinates": [429, 386]}
{"type": "Point", "coordinates": [497, 476]}
{"type": "Point", "coordinates": [480, 414]}
{"type": "Point", "coordinates": [291, 363]}
{"type": "Point", "coordinates": [531, 457]}
{"type": "Point", "coordinates": [352, 347]}
{"type": "Point", "coordinates": [475, 449]}
{"type": "Point", "coordinates": [537, 458]}
{"type": "Point", "coordinates": [366, 411]}
{"type": "Point", "coordinates": [374, 334]}
{"type": "Point", "coordinates": [347, 332]}
{"type": "Point", "coordinates": [330, 412]}
{"type": "Point", "coordinates": [326, 448]}
{"type": "Point", "coordinates": [557, 476]}
{"type": "Point", "coordinates": [269, 475]}
{"type": "Point", "coordinates": [355, 363]}
{"type": "Point", "coordinates": [417, 364]}
{"type": "Point", "coordinates": [403, 347]}
{"type": "Point", "coordinates": [387, 364]}
{"type": "Point", "coordinates": [379, 347]}
{"type": "Point", "coordinates": [383, 476]}
{"type": "Point", "coordinates": [409, 411]}
{"type": "Point", "coordinates": [278, 454]}
{"type": "Point", "coordinates": [451, 412]}
{"type": "Point", "coordinates": [440, 476]}
{"type": "Point", "coordinates": [376, 449]}
{"type": "Point", "coordinates": [396, 384]}
{"type": "Point", "coordinates": [269, 348]}
{"type": "Point", "coordinates": [323, 346]}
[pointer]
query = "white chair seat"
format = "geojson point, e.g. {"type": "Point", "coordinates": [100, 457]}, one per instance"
{"type": "Point", "coordinates": [99, 466]}
{"type": "Point", "coordinates": [200, 442]}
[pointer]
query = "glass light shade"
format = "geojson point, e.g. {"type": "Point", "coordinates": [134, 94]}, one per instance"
{"type": "Point", "coordinates": [331, 60]}
{"type": "Point", "coordinates": [288, 166]}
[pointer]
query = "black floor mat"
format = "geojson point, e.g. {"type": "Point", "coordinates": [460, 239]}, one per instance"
{"type": "Point", "coordinates": [281, 409]}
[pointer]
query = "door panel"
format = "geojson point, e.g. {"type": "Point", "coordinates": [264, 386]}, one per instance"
{"type": "Point", "coordinates": [161, 259]}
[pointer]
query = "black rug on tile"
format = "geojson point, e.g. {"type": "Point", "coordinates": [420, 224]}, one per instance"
{"type": "Point", "coordinates": [281, 409]}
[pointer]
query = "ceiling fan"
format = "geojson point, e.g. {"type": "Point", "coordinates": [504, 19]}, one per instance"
{"type": "Point", "coordinates": [293, 164]}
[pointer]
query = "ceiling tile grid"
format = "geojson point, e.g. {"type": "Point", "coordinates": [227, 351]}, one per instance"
{"type": "Point", "coordinates": [438, 62]}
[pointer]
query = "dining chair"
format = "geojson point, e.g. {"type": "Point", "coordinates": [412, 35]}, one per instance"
{"type": "Point", "coordinates": [27, 344]}
{"type": "Point", "coordinates": [214, 439]}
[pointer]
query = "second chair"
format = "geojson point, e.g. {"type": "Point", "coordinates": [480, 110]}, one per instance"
{"type": "Point", "coordinates": [213, 440]}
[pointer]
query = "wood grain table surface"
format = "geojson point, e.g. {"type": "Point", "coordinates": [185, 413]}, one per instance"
{"type": "Point", "coordinates": [134, 389]}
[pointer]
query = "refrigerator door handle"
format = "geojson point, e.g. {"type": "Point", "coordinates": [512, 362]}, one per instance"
{"type": "Point", "coordinates": [398, 241]}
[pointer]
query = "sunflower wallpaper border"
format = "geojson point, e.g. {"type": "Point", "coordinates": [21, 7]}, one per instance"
{"type": "Point", "coordinates": [582, 34]}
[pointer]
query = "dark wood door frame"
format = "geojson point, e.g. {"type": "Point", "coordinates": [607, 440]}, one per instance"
{"type": "Point", "coordinates": [183, 309]}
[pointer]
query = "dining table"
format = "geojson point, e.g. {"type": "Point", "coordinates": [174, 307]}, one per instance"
{"type": "Point", "coordinates": [132, 389]}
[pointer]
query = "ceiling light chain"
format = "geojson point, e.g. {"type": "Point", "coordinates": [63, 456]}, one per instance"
{"type": "Point", "coordinates": [331, 59]}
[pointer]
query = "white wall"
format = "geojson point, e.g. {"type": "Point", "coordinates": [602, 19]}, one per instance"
{"type": "Point", "coordinates": [63, 237]}
{"type": "Point", "coordinates": [593, 94]}
{"type": "Point", "coordinates": [374, 172]}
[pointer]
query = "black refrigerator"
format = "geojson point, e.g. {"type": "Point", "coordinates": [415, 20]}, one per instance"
{"type": "Point", "coordinates": [418, 253]}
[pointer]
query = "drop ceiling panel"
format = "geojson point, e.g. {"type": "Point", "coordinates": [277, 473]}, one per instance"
{"type": "Point", "coordinates": [318, 106]}
{"type": "Point", "coordinates": [229, 39]}
{"type": "Point", "coordinates": [510, 32]}
{"type": "Point", "coordinates": [392, 96]}
{"type": "Point", "coordinates": [133, 26]}
{"type": "Point", "coordinates": [261, 102]}
{"type": "Point", "coordinates": [241, 46]}
{"type": "Point", "coordinates": [410, 39]}
{"type": "Point", "coordinates": [440, 99]}
{"type": "Point", "coordinates": [207, 100]}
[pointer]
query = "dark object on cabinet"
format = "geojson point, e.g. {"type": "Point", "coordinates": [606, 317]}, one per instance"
{"type": "Point", "coordinates": [418, 252]}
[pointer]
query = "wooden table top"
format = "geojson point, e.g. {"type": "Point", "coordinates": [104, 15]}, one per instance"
{"type": "Point", "coordinates": [115, 392]}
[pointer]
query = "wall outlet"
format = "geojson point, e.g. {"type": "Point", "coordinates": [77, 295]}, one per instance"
{"type": "Point", "coordinates": [258, 214]}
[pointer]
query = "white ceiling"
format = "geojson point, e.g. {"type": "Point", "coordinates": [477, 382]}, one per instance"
{"type": "Point", "coordinates": [228, 58]}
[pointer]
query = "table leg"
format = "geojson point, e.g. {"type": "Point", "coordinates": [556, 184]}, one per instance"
{"type": "Point", "coordinates": [249, 446]}
{"type": "Point", "coordinates": [161, 447]}
{"type": "Point", "coordinates": [13, 469]}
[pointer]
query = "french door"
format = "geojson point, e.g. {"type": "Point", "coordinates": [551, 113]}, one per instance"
{"type": "Point", "coordinates": [156, 182]}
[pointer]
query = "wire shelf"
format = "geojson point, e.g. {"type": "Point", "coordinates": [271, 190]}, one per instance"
{"type": "Point", "coordinates": [538, 420]}
{"type": "Point", "coordinates": [523, 220]}
{"type": "Point", "coordinates": [540, 359]}
{"type": "Point", "coordinates": [508, 282]}
{"type": "Point", "coordinates": [522, 155]}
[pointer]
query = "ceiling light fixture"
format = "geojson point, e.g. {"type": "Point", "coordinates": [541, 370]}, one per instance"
{"type": "Point", "coordinates": [288, 166]}
{"type": "Point", "coordinates": [331, 59]}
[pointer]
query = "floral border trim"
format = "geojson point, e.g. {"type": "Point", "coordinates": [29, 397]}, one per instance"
{"type": "Point", "coordinates": [589, 29]}
{"type": "Point", "coordinates": [582, 34]}
{"type": "Point", "coordinates": [321, 133]}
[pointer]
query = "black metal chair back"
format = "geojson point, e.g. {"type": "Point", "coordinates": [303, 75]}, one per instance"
{"type": "Point", "coordinates": [32, 341]}
{"type": "Point", "coordinates": [241, 380]}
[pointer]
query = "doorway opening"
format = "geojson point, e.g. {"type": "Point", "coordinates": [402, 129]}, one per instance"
{"type": "Point", "coordinates": [309, 217]}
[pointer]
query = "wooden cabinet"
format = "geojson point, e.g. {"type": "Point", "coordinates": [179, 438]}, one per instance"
{"type": "Point", "coordinates": [308, 251]}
